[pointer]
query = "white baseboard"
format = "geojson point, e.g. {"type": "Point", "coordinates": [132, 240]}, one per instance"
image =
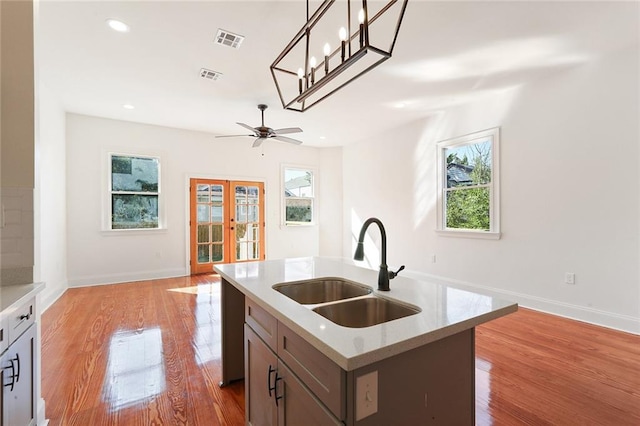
{"type": "Point", "coordinates": [612, 320]}
{"type": "Point", "coordinates": [45, 303]}
{"type": "Point", "coordinates": [92, 280]}
{"type": "Point", "coordinates": [40, 419]}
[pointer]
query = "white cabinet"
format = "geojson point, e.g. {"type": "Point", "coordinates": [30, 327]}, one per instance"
{"type": "Point", "coordinates": [18, 364]}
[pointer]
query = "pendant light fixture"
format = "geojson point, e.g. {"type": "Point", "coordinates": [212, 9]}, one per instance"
{"type": "Point", "coordinates": [364, 35]}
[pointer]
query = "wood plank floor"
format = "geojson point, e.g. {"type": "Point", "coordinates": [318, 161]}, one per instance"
{"type": "Point", "coordinates": [148, 353]}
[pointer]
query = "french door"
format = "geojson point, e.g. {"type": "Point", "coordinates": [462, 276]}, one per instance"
{"type": "Point", "coordinates": [226, 224]}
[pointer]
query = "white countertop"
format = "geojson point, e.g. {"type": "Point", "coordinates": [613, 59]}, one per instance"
{"type": "Point", "coordinates": [445, 310]}
{"type": "Point", "coordinates": [14, 295]}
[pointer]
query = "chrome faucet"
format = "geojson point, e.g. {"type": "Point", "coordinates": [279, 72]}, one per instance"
{"type": "Point", "coordinates": [384, 275]}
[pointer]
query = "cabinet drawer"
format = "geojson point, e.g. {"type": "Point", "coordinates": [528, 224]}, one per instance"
{"type": "Point", "coordinates": [321, 375]}
{"type": "Point", "coordinates": [21, 318]}
{"type": "Point", "coordinates": [263, 323]}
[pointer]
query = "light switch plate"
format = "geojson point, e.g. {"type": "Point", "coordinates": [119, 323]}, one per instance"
{"type": "Point", "coordinates": [366, 395]}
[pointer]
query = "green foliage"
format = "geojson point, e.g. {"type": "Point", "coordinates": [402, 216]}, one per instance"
{"type": "Point", "coordinates": [468, 208]}
{"type": "Point", "coordinates": [298, 214]}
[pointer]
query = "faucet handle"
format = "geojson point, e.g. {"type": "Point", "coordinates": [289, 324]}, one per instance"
{"type": "Point", "coordinates": [392, 274]}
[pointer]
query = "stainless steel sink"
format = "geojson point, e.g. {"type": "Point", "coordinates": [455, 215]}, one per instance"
{"type": "Point", "coordinates": [365, 312]}
{"type": "Point", "coordinates": [322, 290]}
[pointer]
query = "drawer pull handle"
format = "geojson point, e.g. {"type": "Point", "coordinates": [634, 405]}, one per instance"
{"type": "Point", "coordinates": [271, 388]}
{"type": "Point", "coordinates": [25, 317]}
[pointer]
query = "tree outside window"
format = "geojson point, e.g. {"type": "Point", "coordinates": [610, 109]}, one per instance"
{"type": "Point", "coordinates": [134, 191]}
{"type": "Point", "coordinates": [468, 199]}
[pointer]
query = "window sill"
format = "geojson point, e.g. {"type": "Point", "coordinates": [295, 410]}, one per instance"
{"type": "Point", "coordinates": [469, 234]}
{"type": "Point", "coordinates": [297, 225]}
{"type": "Point", "coordinates": [129, 232]}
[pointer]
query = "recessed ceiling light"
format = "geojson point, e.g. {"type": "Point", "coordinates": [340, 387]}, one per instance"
{"type": "Point", "coordinates": [400, 105]}
{"type": "Point", "coordinates": [323, 137]}
{"type": "Point", "coordinates": [119, 26]}
{"type": "Point", "coordinates": [128, 106]}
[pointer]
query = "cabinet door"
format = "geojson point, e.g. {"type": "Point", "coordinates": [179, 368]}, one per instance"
{"type": "Point", "coordinates": [18, 365]}
{"type": "Point", "coordinates": [260, 374]}
{"type": "Point", "coordinates": [298, 405]}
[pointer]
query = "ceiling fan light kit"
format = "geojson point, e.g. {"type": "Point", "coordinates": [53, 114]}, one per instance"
{"type": "Point", "coordinates": [364, 36]}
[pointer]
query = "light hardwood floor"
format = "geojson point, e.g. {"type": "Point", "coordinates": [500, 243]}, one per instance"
{"type": "Point", "coordinates": [148, 353]}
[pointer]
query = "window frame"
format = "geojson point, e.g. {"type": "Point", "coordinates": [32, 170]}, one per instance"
{"type": "Point", "coordinates": [109, 193]}
{"type": "Point", "coordinates": [313, 198]}
{"type": "Point", "coordinates": [493, 135]}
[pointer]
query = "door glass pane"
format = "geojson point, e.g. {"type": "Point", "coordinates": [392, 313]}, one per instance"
{"type": "Point", "coordinates": [241, 251]}
{"type": "Point", "coordinates": [253, 231]}
{"type": "Point", "coordinates": [241, 213]}
{"type": "Point", "coordinates": [203, 213]}
{"type": "Point", "coordinates": [203, 193]}
{"type": "Point", "coordinates": [216, 255]}
{"type": "Point", "coordinates": [216, 193]}
{"type": "Point", "coordinates": [203, 233]}
{"type": "Point", "coordinates": [203, 253]}
{"type": "Point", "coordinates": [241, 195]}
{"type": "Point", "coordinates": [216, 213]}
{"type": "Point", "coordinates": [252, 195]}
{"type": "Point", "coordinates": [254, 247]}
{"type": "Point", "coordinates": [241, 232]}
{"type": "Point", "coordinates": [217, 233]}
{"type": "Point", "coordinates": [252, 213]}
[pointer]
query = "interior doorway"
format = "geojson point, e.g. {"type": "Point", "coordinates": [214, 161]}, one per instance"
{"type": "Point", "coordinates": [226, 223]}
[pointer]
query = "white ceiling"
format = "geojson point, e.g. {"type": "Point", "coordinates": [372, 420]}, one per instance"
{"type": "Point", "coordinates": [446, 53]}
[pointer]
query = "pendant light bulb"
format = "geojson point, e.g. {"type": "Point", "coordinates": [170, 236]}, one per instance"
{"type": "Point", "coordinates": [312, 62]}
{"type": "Point", "coordinates": [361, 16]}
{"type": "Point", "coordinates": [300, 73]}
{"type": "Point", "coordinates": [327, 49]}
{"type": "Point", "coordinates": [342, 34]}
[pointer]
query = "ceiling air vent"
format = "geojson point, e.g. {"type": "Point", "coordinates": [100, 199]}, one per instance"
{"type": "Point", "coordinates": [226, 38]}
{"type": "Point", "coordinates": [210, 74]}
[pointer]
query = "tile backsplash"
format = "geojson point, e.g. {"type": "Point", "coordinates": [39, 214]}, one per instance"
{"type": "Point", "coordinates": [16, 235]}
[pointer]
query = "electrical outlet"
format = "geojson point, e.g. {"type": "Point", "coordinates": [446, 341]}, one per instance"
{"type": "Point", "coordinates": [569, 278]}
{"type": "Point", "coordinates": [366, 395]}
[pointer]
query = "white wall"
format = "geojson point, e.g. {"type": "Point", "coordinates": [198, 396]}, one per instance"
{"type": "Point", "coordinates": [97, 257]}
{"type": "Point", "coordinates": [50, 207]}
{"type": "Point", "coordinates": [570, 193]}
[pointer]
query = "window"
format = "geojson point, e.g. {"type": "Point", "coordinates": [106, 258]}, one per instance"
{"type": "Point", "coordinates": [298, 196]}
{"type": "Point", "coordinates": [468, 196]}
{"type": "Point", "coordinates": [135, 190]}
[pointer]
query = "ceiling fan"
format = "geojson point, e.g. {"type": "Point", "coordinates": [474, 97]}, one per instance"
{"type": "Point", "coordinates": [262, 133]}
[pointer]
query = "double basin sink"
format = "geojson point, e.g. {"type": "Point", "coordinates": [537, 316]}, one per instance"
{"type": "Point", "coordinates": [344, 302]}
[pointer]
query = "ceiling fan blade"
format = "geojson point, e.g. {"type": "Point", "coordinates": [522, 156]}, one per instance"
{"type": "Point", "coordinates": [288, 130]}
{"type": "Point", "coordinates": [286, 139]}
{"type": "Point", "coordinates": [258, 142]}
{"type": "Point", "coordinates": [231, 136]}
{"type": "Point", "coordinates": [246, 126]}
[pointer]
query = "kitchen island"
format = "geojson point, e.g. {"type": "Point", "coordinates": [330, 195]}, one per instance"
{"type": "Point", "coordinates": [418, 369]}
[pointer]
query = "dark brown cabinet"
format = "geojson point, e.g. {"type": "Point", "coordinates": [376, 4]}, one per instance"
{"type": "Point", "coordinates": [274, 394]}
